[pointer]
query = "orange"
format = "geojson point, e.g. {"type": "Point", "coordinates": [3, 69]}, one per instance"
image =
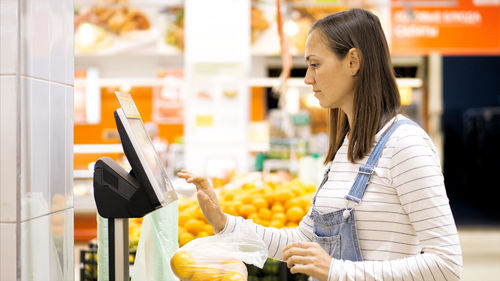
{"type": "Point", "coordinates": [270, 196]}
{"type": "Point", "coordinates": [228, 196]}
{"type": "Point", "coordinates": [277, 208]}
{"type": "Point", "coordinates": [186, 214]}
{"type": "Point", "coordinates": [234, 264]}
{"type": "Point", "coordinates": [279, 216]}
{"type": "Point", "coordinates": [258, 221]}
{"type": "Point", "coordinates": [305, 201]}
{"type": "Point", "coordinates": [270, 184]}
{"type": "Point", "coordinates": [134, 220]}
{"type": "Point", "coordinates": [181, 229]}
{"type": "Point", "coordinates": [208, 229]}
{"type": "Point", "coordinates": [246, 209]}
{"type": "Point", "coordinates": [231, 268]}
{"type": "Point", "coordinates": [203, 234]}
{"type": "Point", "coordinates": [206, 274]}
{"type": "Point", "coordinates": [309, 188]}
{"type": "Point", "coordinates": [292, 202]}
{"type": "Point", "coordinates": [234, 276]}
{"type": "Point", "coordinates": [296, 190]}
{"type": "Point", "coordinates": [230, 209]}
{"type": "Point", "coordinates": [253, 216]}
{"type": "Point", "coordinates": [260, 202]}
{"type": "Point", "coordinates": [248, 186]}
{"type": "Point", "coordinates": [199, 214]}
{"type": "Point", "coordinates": [194, 226]}
{"type": "Point", "coordinates": [294, 214]}
{"type": "Point", "coordinates": [283, 195]}
{"type": "Point", "coordinates": [218, 182]}
{"type": "Point", "coordinates": [265, 214]}
{"type": "Point", "coordinates": [183, 217]}
{"type": "Point", "coordinates": [277, 223]}
{"type": "Point", "coordinates": [184, 238]}
{"type": "Point", "coordinates": [182, 264]}
{"type": "Point", "coordinates": [264, 222]}
{"type": "Point", "coordinates": [246, 199]}
{"type": "Point", "coordinates": [260, 190]}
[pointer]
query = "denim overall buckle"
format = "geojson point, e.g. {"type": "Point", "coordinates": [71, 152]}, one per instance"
{"type": "Point", "coordinates": [366, 170]}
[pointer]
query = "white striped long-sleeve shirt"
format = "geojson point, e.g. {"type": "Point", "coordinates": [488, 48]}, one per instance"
{"type": "Point", "coordinates": [405, 227]}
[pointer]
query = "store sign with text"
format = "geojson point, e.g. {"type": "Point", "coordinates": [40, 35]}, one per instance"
{"type": "Point", "coordinates": [453, 27]}
{"type": "Point", "coordinates": [168, 104]}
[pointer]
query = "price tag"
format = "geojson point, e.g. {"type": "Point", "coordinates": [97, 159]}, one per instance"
{"type": "Point", "coordinates": [128, 105]}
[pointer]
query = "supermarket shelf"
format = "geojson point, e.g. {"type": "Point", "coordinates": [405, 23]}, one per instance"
{"type": "Point", "coordinates": [82, 174]}
{"type": "Point", "coordinates": [84, 204]}
{"type": "Point", "coordinates": [409, 82]}
{"type": "Point", "coordinates": [258, 147]}
{"type": "Point", "coordinates": [252, 82]}
{"type": "Point", "coordinates": [97, 148]}
{"type": "Point", "coordinates": [142, 3]}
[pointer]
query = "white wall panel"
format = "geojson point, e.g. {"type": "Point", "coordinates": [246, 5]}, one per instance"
{"type": "Point", "coordinates": [8, 33]}
{"type": "Point", "coordinates": [36, 197]}
{"type": "Point", "coordinates": [57, 151]}
{"type": "Point", "coordinates": [8, 241]}
{"type": "Point", "coordinates": [47, 247]}
{"type": "Point", "coordinates": [8, 148]}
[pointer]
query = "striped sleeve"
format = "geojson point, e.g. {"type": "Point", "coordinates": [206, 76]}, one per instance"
{"type": "Point", "coordinates": [416, 176]}
{"type": "Point", "coordinates": [275, 239]}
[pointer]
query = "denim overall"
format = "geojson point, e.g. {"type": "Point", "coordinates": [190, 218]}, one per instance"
{"type": "Point", "coordinates": [336, 232]}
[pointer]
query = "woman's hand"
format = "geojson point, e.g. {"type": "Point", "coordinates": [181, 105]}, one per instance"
{"type": "Point", "coordinates": [207, 199]}
{"type": "Point", "coordinates": [308, 258]}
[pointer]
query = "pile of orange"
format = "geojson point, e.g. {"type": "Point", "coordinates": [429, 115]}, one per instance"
{"type": "Point", "coordinates": [134, 229]}
{"type": "Point", "coordinates": [192, 222]}
{"type": "Point", "coordinates": [268, 203]}
{"type": "Point", "coordinates": [186, 267]}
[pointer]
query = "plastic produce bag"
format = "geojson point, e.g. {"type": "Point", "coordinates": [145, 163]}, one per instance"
{"type": "Point", "coordinates": [158, 242]}
{"type": "Point", "coordinates": [221, 256]}
{"type": "Point", "coordinates": [102, 249]}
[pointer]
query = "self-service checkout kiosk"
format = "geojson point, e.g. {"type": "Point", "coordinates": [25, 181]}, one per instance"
{"type": "Point", "coordinates": [121, 194]}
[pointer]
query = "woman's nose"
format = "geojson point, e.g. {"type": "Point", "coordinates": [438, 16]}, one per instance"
{"type": "Point", "coordinates": [308, 78]}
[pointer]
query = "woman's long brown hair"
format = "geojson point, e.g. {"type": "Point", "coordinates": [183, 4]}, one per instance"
{"type": "Point", "coordinates": [376, 95]}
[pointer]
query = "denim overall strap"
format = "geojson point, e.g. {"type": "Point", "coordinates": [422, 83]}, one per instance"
{"type": "Point", "coordinates": [365, 171]}
{"type": "Point", "coordinates": [325, 179]}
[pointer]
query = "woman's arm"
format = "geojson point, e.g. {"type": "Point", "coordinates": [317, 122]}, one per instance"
{"type": "Point", "coordinates": [276, 239]}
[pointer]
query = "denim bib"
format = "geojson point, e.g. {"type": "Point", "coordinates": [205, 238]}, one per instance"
{"type": "Point", "coordinates": [336, 232]}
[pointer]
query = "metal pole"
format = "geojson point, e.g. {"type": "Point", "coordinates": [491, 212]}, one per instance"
{"type": "Point", "coordinates": [121, 266]}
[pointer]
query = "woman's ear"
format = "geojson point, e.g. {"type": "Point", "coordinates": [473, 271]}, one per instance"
{"type": "Point", "coordinates": [354, 60]}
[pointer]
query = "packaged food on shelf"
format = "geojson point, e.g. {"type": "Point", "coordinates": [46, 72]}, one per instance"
{"type": "Point", "coordinates": [174, 34]}
{"type": "Point", "coordinates": [112, 27]}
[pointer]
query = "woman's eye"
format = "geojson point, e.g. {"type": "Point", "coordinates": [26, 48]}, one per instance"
{"type": "Point", "coordinates": [313, 65]}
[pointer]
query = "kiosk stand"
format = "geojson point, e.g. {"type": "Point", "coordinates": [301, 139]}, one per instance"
{"type": "Point", "coordinates": [120, 195]}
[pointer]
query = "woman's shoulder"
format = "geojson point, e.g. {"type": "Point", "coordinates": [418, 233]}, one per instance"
{"type": "Point", "coordinates": [410, 136]}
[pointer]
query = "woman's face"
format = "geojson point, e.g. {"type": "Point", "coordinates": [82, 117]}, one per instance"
{"type": "Point", "coordinates": [331, 78]}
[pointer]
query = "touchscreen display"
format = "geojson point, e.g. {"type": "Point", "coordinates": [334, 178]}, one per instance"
{"type": "Point", "coordinates": [149, 153]}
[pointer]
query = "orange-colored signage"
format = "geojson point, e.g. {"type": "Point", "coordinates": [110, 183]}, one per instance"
{"type": "Point", "coordinates": [450, 27]}
{"type": "Point", "coordinates": [168, 105]}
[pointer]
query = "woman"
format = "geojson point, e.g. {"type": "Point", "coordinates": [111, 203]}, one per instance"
{"type": "Point", "coordinates": [381, 212]}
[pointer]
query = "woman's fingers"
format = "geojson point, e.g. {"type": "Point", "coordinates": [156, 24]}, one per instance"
{"type": "Point", "coordinates": [295, 251]}
{"type": "Point", "coordinates": [199, 182]}
{"type": "Point", "coordinates": [308, 258]}
{"type": "Point", "coordinates": [300, 244]}
{"type": "Point", "coordinates": [298, 259]}
{"type": "Point", "coordinates": [206, 198]}
{"type": "Point", "coordinates": [302, 268]}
